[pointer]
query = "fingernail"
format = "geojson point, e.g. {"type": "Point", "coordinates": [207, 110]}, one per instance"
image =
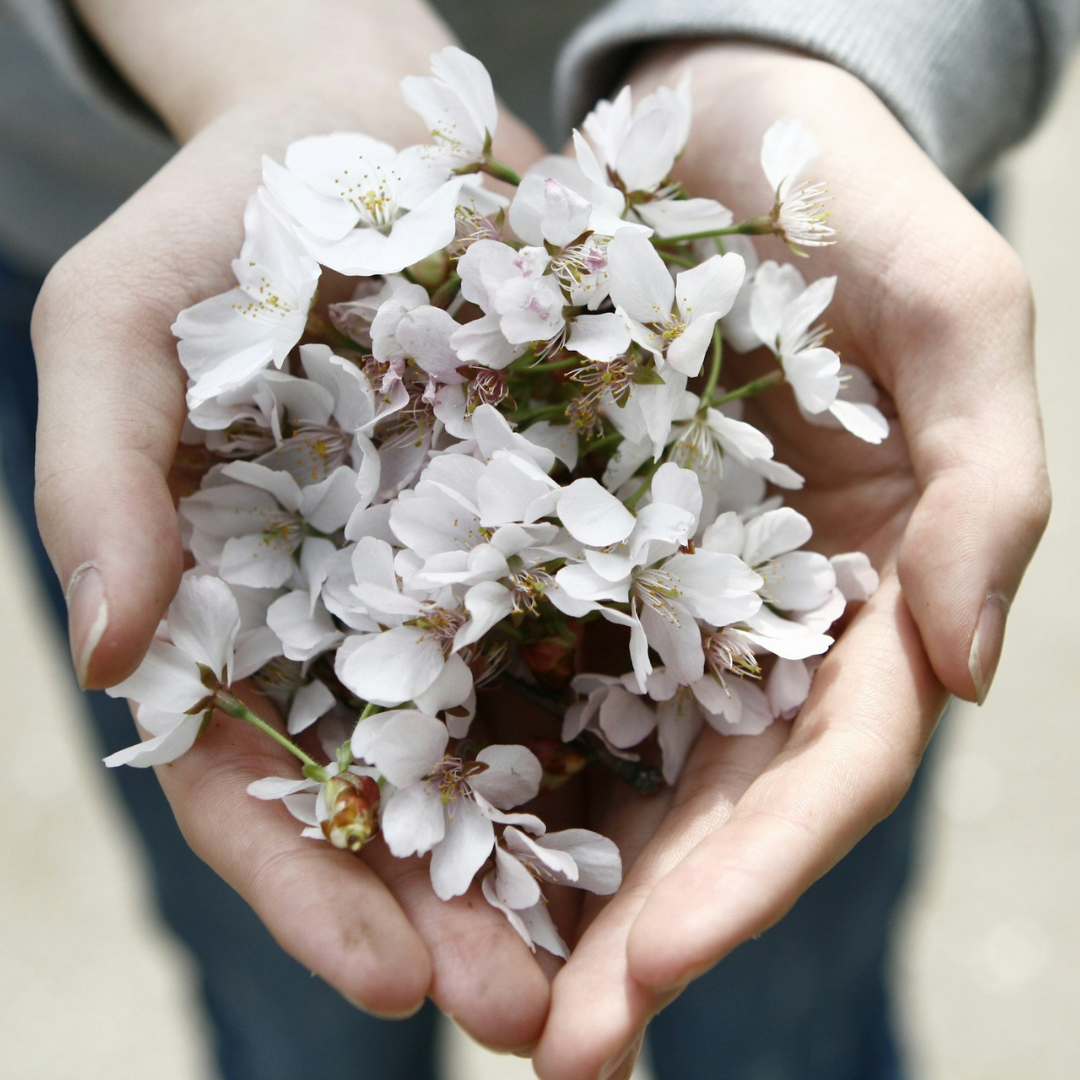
{"type": "Point", "coordinates": [383, 1015]}
{"type": "Point", "coordinates": [88, 616]}
{"type": "Point", "coordinates": [621, 1066]}
{"type": "Point", "coordinates": [611, 1066]}
{"type": "Point", "coordinates": [986, 644]}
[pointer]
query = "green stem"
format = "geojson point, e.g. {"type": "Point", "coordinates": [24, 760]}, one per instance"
{"type": "Point", "coordinates": [714, 367]}
{"type": "Point", "coordinates": [678, 260]}
{"type": "Point", "coordinates": [497, 169]}
{"type": "Point", "coordinates": [542, 412]}
{"type": "Point", "coordinates": [752, 227]}
{"type": "Point", "coordinates": [553, 365]}
{"type": "Point", "coordinates": [370, 709]}
{"type": "Point", "coordinates": [756, 386]}
{"type": "Point", "coordinates": [603, 442]}
{"type": "Point", "coordinates": [646, 483]}
{"type": "Point", "coordinates": [232, 706]}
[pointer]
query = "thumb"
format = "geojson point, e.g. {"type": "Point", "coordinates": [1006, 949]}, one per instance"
{"type": "Point", "coordinates": [111, 407]}
{"type": "Point", "coordinates": [967, 393]}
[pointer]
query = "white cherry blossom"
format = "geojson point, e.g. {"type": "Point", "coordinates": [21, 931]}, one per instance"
{"type": "Point", "coordinates": [440, 802]}
{"type": "Point", "coordinates": [361, 206]}
{"type": "Point", "coordinates": [228, 338]}
{"type": "Point", "coordinates": [783, 310]}
{"type": "Point", "coordinates": [180, 671]}
{"type": "Point", "coordinates": [788, 150]}
{"type": "Point", "coordinates": [457, 102]}
{"type": "Point", "coordinates": [673, 320]}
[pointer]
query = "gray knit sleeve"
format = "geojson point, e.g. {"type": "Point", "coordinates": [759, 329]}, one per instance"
{"type": "Point", "coordinates": [968, 78]}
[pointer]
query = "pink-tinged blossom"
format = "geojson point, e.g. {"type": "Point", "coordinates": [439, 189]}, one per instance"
{"type": "Point", "coordinates": [226, 339]}
{"type": "Point", "coordinates": [547, 212]}
{"type": "Point", "coordinates": [524, 302]}
{"type": "Point", "coordinates": [179, 675]}
{"type": "Point", "coordinates": [440, 802]}
{"type": "Point", "coordinates": [362, 207]}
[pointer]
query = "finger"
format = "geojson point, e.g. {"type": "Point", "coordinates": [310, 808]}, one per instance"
{"type": "Point", "coordinates": [598, 1009]}
{"type": "Point", "coordinates": [851, 757]}
{"type": "Point", "coordinates": [112, 397]}
{"type": "Point", "coordinates": [965, 387]}
{"type": "Point", "coordinates": [324, 907]}
{"type": "Point", "coordinates": [483, 975]}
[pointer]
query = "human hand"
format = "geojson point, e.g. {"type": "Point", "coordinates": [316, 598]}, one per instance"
{"type": "Point", "coordinates": [112, 405]}
{"type": "Point", "coordinates": [935, 307]}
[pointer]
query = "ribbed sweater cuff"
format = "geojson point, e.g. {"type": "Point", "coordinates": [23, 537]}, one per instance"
{"type": "Point", "coordinates": [968, 78]}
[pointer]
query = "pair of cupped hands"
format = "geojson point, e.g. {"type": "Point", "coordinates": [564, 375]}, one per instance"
{"type": "Point", "coordinates": [930, 302]}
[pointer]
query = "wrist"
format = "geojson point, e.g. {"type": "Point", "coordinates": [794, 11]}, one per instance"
{"type": "Point", "coordinates": [194, 60]}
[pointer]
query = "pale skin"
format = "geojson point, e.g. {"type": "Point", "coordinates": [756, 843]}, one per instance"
{"type": "Point", "coordinates": [931, 302]}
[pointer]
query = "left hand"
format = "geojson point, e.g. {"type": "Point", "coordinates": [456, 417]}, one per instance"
{"type": "Point", "coordinates": [935, 307]}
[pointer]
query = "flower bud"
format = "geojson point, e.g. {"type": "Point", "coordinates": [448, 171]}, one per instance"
{"type": "Point", "coordinates": [552, 658]}
{"type": "Point", "coordinates": [559, 760]}
{"type": "Point", "coordinates": [352, 804]}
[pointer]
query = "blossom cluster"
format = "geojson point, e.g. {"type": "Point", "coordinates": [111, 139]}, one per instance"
{"type": "Point", "coordinates": [511, 429]}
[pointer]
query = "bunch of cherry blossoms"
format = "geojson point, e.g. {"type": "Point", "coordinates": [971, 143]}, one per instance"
{"type": "Point", "coordinates": [513, 430]}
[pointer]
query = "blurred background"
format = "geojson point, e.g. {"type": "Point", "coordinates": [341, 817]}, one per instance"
{"type": "Point", "coordinates": [988, 956]}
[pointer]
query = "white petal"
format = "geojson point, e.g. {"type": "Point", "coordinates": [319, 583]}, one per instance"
{"type": "Point", "coordinates": [680, 723]}
{"type": "Point", "coordinates": [309, 703]}
{"type": "Point", "coordinates": [716, 587]}
{"type": "Point", "coordinates": [676, 217]}
{"type": "Point", "coordinates": [799, 581]}
{"type": "Point", "coordinates": [167, 679]}
{"type": "Point", "coordinates": [855, 577]}
{"type": "Point", "coordinates": [788, 686]}
{"type": "Point", "coordinates": [711, 287]}
{"type": "Point", "coordinates": [863, 420]}
{"type": "Point", "coordinates": [464, 849]}
{"type": "Point", "coordinates": [566, 214]}
{"type": "Point", "coordinates": [774, 533]}
{"type": "Point", "coordinates": [675, 636]}
{"type": "Point", "coordinates": [640, 282]}
{"type": "Point", "coordinates": [391, 667]}
{"type": "Point", "coordinates": [787, 151]}
{"type": "Point", "coordinates": [597, 858]}
{"type": "Point", "coordinates": [625, 718]}
{"type": "Point", "coordinates": [515, 886]}
{"type": "Point", "coordinates": [276, 787]}
{"type": "Point", "coordinates": [407, 747]}
{"type": "Point", "coordinates": [812, 374]}
{"type": "Point", "coordinates": [592, 515]}
{"type": "Point", "coordinates": [162, 749]}
{"type": "Point", "coordinates": [451, 689]}
{"type": "Point", "coordinates": [413, 821]}
{"type": "Point", "coordinates": [512, 777]}
{"type": "Point", "coordinates": [204, 620]}
{"type": "Point", "coordinates": [598, 337]}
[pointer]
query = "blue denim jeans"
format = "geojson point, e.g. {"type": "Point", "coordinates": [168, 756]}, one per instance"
{"type": "Point", "coordinates": [806, 1001]}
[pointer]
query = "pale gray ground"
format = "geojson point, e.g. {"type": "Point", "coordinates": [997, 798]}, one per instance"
{"type": "Point", "coordinates": [91, 988]}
